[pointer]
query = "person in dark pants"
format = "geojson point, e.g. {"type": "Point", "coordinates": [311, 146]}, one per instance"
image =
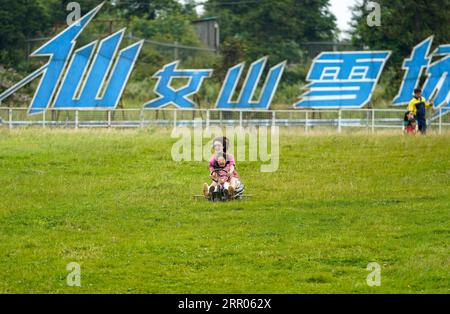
{"type": "Point", "coordinates": [418, 106]}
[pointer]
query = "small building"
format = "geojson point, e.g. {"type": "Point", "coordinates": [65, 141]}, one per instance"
{"type": "Point", "coordinates": [209, 32]}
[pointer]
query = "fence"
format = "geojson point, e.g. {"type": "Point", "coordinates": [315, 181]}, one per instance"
{"type": "Point", "coordinates": [370, 119]}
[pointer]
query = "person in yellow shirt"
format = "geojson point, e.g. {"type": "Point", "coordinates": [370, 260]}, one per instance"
{"type": "Point", "coordinates": [418, 106]}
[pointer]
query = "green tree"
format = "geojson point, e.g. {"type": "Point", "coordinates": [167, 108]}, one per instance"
{"type": "Point", "coordinates": [404, 24]}
{"type": "Point", "coordinates": [232, 52]}
{"type": "Point", "coordinates": [148, 9]}
{"type": "Point", "coordinates": [275, 28]}
{"type": "Point", "coordinates": [19, 21]}
{"type": "Point", "coordinates": [57, 9]}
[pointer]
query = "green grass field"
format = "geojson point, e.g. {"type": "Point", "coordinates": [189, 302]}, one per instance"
{"type": "Point", "coordinates": [115, 202]}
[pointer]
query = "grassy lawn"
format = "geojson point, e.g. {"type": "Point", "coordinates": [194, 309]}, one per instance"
{"type": "Point", "coordinates": [116, 203]}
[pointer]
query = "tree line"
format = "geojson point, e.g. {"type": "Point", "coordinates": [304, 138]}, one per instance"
{"type": "Point", "coordinates": [249, 29]}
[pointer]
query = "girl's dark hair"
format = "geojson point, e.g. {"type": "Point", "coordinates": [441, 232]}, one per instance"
{"type": "Point", "coordinates": [225, 142]}
{"type": "Point", "coordinates": [406, 116]}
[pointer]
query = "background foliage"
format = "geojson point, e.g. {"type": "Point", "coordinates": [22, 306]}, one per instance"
{"type": "Point", "coordinates": [249, 29]}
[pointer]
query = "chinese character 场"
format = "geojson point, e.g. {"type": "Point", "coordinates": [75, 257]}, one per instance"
{"type": "Point", "coordinates": [437, 85]}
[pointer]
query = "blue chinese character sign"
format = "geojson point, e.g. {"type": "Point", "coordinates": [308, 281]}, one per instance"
{"type": "Point", "coordinates": [343, 79]}
{"type": "Point", "coordinates": [245, 100]}
{"type": "Point", "coordinates": [168, 95]}
{"type": "Point", "coordinates": [177, 97]}
{"type": "Point", "coordinates": [437, 84]}
{"type": "Point", "coordinates": [94, 77]}
{"type": "Point", "coordinates": [414, 67]}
